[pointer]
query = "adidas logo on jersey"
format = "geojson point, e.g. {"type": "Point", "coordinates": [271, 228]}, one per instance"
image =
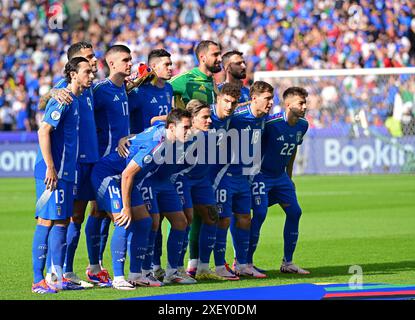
{"type": "Point", "coordinates": [280, 138]}
{"type": "Point", "coordinates": [116, 98]}
{"type": "Point", "coordinates": [154, 100]}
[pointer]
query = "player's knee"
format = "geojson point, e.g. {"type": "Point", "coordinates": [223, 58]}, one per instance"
{"type": "Point", "coordinates": [224, 223]}
{"type": "Point", "coordinates": [179, 222]}
{"type": "Point", "coordinates": [156, 222]}
{"type": "Point", "coordinates": [259, 215]}
{"type": "Point", "coordinates": [61, 223]}
{"type": "Point", "coordinates": [293, 211]}
{"type": "Point", "coordinates": [44, 222]}
{"type": "Point", "coordinates": [98, 214]}
{"type": "Point", "coordinates": [243, 221]}
{"type": "Point", "coordinates": [189, 215]}
{"type": "Point", "coordinates": [78, 218]}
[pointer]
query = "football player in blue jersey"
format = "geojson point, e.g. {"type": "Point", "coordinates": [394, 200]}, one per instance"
{"type": "Point", "coordinates": [160, 147]}
{"type": "Point", "coordinates": [235, 71]}
{"type": "Point", "coordinates": [220, 115]}
{"type": "Point", "coordinates": [150, 102]}
{"type": "Point", "coordinates": [87, 156]}
{"type": "Point", "coordinates": [55, 175]}
{"type": "Point", "coordinates": [193, 185]}
{"type": "Point", "coordinates": [112, 122]}
{"type": "Point", "coordinates": [233, 192]}
{"type": "Point", "coordinates": [283, 134]}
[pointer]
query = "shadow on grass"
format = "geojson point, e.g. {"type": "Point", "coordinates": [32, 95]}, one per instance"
{"type": "Point", "coordinates": [335, 271]}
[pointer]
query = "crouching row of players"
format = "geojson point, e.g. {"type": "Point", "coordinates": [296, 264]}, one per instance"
{"type": "Point", "coordinates": [156, 180]}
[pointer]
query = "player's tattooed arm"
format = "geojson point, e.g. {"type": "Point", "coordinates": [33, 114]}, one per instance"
{"type": "Point", "coordinates": [123, 145]}
{"type": "Point", "coordinates": [62, 95]}
{"type": "Point", "coordinates": [213, 213]}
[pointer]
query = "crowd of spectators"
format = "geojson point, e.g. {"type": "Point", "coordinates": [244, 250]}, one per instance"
{"type": "Point", "coordinates": [272, 34]}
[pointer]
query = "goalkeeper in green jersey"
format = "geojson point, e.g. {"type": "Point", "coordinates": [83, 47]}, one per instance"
{"type": "Point", "coordinates": [199, 84]}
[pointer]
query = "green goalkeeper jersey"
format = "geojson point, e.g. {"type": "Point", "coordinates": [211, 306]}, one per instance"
{"type": "Point", "coordinates": [193, 84]}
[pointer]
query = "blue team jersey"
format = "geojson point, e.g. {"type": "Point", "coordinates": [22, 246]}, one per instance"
{"type": "Point", "coordinates": [244, 93]}
{"type": "Point", "coordinates": [279, 142]}
{"type": "Point", "coordinates": [88, 142]}
{"type": "Point", "coordinates": [249, 129]}
{"type": "Point", "coordinates": [64, 139]}
{"type": "Point", "coordinates": [218, 123]}
{"type": "Point", "coordinates": [111, 115]}
{"type": "Point", "coordinates": [146, 102]}
{"type": "Point", "coordinates": [158, 158]}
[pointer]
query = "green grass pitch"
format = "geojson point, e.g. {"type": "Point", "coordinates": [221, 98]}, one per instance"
{"type": "Point", "coordinates": [347, 220]}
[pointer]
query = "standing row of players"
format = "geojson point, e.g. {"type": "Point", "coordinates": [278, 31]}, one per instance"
{"type": "Point", "coordinates": [87, 153]}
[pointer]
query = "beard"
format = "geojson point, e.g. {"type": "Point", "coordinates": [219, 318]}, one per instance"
{"type": "Point", "coordinates": [214, 68]}
{"type": "Point", "coordinates": [238, 75]}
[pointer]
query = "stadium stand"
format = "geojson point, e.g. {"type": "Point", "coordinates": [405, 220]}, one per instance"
{"type": "Point", "coordinates": [273, 35]}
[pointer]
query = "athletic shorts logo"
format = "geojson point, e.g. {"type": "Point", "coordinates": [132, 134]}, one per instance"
{"type": "Point", "coordinates": [258, 200]}
{"type": "Point", "coordinates": [55, 115]}
{"type": "Point", "coordinates": [75, 190]}
{"type": "Point", "coordinates": [59, 210]}
{"type": "Point", "coordinates": [116, 204]}
{"type": "Point", "coordinates": [148, 205]}
{"type": "Point", "coordinates": [220, 208]}
{"type": "Point", "coordinates": [182, 199]}
{"type": "Point", "coordinates": [147, 159]}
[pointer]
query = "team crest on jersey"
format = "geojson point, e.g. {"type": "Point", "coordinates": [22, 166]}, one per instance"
{"type": "Point", "coordinates": [168, 98]}
{"type": "Point", "coordinates": [55, 115]}
{"type": "Point", "coordinates": [299, 136]}
{"type": "Point", "coordinates": [202, 88]}
{"type": "Point", "coordinates": [258, 200]}
{"type": "Point", "coordinates": [182, 199]}
{"type": "Point", "coordinates": [75, 190]}
{"type": "Point", "coordinates": [116, 204]}
{"type": "Point", "coordinates": [59, 210]}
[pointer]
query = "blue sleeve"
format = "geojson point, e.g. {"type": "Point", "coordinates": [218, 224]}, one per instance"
{"type": "Point", "coordinates": [54, 112]}
{"type": "Point", "coordinates": [61, 84]}
{"type": "Point", "coordinates": [144, 156]}
{"type": "Point", "coordinates": [96, 96]}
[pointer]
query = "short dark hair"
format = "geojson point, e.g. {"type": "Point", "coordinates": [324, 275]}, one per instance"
{"type": "Point", "coordinates": [194, 106]}
{"type": "Point", "coordinates": [117, 48]}
{"type": "Point", "coordinates": [229, 54]}
{"type": "Point", "coordinates": [231, 89]}
{"type": "Point", "coordinates": [157, 53]}
{"type": "Point", "coordinates": [77, 47]}
{"type": "Point", "coordinates": [203, 46]}
{"type": "Point", "coordinates": [295, 91]}
{"type": "Point", "coordinates": [259, 87]}
{"type": "Point", "coordinates": [177, 115]}
{"type": "Point", "coordinates": [73, 65]}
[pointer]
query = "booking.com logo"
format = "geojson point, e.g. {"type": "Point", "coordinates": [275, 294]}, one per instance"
{"type": "Point", "coordinates": [55, 16]}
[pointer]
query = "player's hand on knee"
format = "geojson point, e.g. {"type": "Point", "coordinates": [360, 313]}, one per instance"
{"type": "Point", "coordinates": [124, 218]}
